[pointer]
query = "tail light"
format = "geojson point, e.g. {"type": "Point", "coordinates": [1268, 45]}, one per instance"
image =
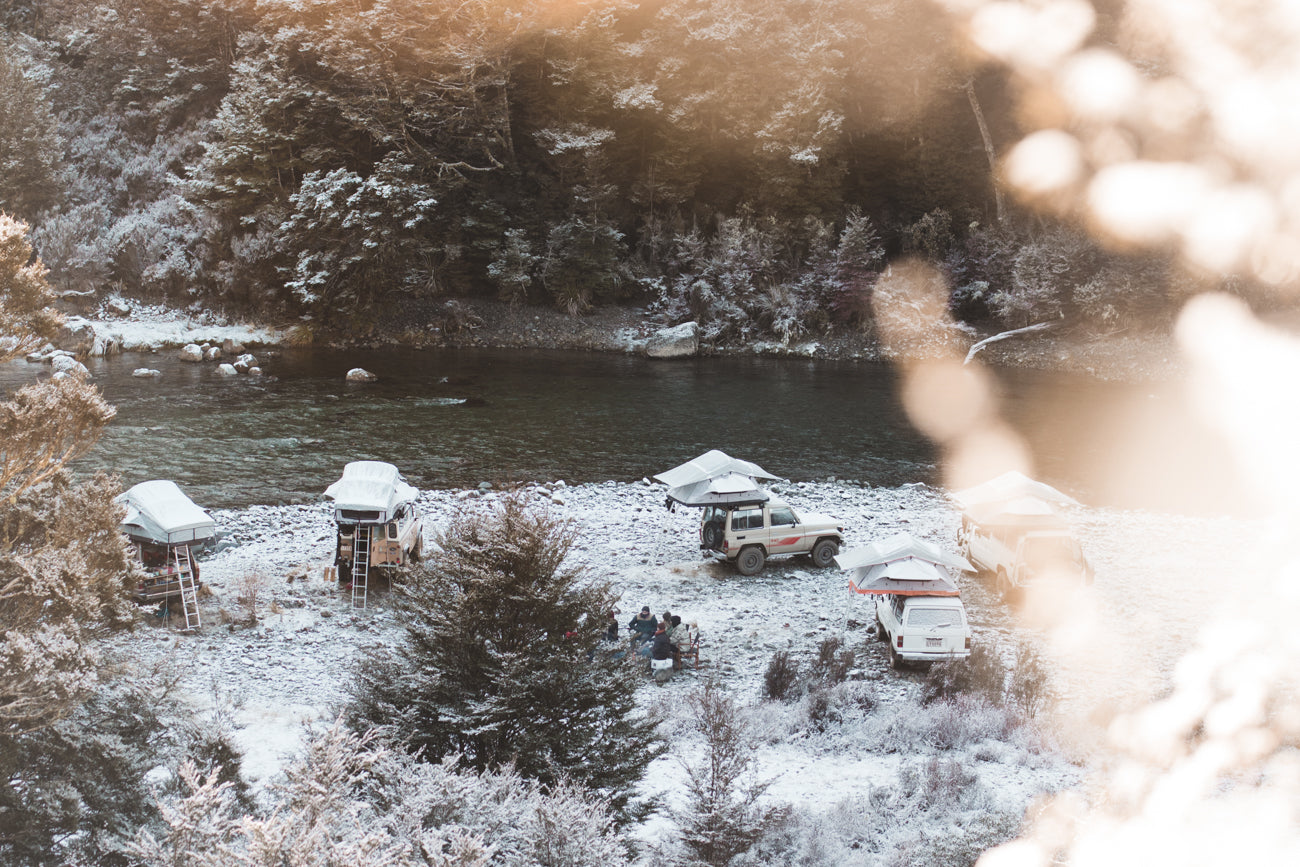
{"type": "Point", "coordinates": [725, 546]}
{"type": "Point", "coordinates": [968, 642]}
{"type": "Point", "coordinates": [900, 641]}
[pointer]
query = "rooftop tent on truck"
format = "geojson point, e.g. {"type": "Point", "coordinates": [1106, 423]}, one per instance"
{"type": "Point", "coordinates": [164, 524]}
{"type": "Point", "coordinates": [379, 526]}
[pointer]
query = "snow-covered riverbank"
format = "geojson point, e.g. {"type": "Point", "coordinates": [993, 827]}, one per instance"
{"type": "Point", "coordinates": [291, 667]}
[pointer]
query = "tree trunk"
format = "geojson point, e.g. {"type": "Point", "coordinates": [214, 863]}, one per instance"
{"type": "Point", "coordinates": [988, 146]}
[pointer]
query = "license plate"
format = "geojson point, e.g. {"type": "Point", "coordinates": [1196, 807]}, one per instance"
{"type": "Point", "coordinates": [934, 642]}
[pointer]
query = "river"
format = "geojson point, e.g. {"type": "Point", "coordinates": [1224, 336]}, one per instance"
{"type": "Point", "coordinates": [457, 418]}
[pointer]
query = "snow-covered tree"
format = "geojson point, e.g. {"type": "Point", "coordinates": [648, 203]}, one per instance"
{"type": "Point", "coordinates": [501, 662]}
{"type": "Point", "coordinates": [26, 318]}
{"type": "Point", "coordinates": [351, 799]}
{"type": "Point", "coordinates": [29, 141]}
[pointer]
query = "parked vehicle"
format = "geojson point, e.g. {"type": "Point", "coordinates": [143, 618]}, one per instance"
{"type": "Point", "coordinates": [1022, 543]}
{"type": "Point", "coordinates": [748, 534]}
{"type": "Point", "coordinates": [1011, 530]}
{"type": "Point", "coordinates": [922, 629]}
{"type": "Point", "coordinates": [741, 522]}
{"type": "Point", "coordinates": [165, 526]}
{"type": "Point", "coordinates": [919, 612]}
{"type": "Point", "coordinates": [379, 526]}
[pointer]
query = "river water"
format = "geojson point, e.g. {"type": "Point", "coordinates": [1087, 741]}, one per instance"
{"type": "Point", "coordinates": [457, 418]}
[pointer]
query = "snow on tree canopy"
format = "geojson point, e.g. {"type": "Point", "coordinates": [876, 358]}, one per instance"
{"type": "Point", "coordinates": [370, 486]}
{"type": "Point", "coordinates": [158, 511]}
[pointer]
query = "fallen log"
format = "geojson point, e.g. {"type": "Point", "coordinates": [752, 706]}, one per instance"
{"type": "Point", "coordinates": [1041, 326]}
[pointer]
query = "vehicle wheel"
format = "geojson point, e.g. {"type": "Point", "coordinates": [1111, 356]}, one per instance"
{"type": "Point", "coordinates": [751, 560]}
{"type": "Point", "coordinates": [712, 537]}
{"type": "Point", "coordinates": [881, 634]}
{"type": "Point", "coordinates": [895, 661]}
{"type": "Point", "coordinates": [823, 553]}
{"type": "Point", "coordinates": [1003, 585]}
{"type": "Point", "coordinates": [417, 551]}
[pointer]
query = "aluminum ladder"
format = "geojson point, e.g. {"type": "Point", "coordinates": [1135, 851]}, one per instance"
{"type": "Point", "coordinates": [360, 566]}
{"type": "Point", "coordinates": [189, 590]}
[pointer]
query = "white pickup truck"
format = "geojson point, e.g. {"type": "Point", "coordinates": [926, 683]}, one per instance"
{"type": "Point", "coordinates": [748, 534]}
{"type": "Point", "coordinates": [1019, 551]}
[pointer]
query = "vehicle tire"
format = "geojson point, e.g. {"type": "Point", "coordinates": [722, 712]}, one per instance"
{"type": "Point", "coordinates": [417, 551]}
{"type": "Point", "coordinates": [1003, 585]}
{"type": "Point", "coordinates": [712, 535]}
{"type": "Point", "coordinates": [895, 661]}
{"type": "Point", "coordinates": [823, 553]}
{"type": "Point", "coordinates": [750, 560]}
{"type": "Point", "coordinates": [881, 634]}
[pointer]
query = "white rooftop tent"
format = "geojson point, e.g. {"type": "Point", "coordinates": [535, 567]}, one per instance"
{"type": "Point", "coordinates": [158, 511]}
{"type": "Point", "coordinates": [372, 491]}
{"type": "Point", "coordinates": [711, 465]}
{"type": "Point", "coordinates": [1011, 486]}
{"type": "Point", "coordinates": [715, 479]}
{"type": "Point", "coordinates": [729, 490]}
{"type": "Point", "coordinates": [902, 565]}
{"type": "Point", "coordinates": [1027, 512]}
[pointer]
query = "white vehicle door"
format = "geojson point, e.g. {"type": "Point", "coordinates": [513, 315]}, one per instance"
{"type": "Point", "coordinates": [783, 532]}
{"type": "Point", "coordinates": [983, 549]}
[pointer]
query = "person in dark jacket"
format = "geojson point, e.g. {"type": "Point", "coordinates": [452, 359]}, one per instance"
{"type": "Point", "coordinates": [661, 650]}
{"type": "Point", "coordinates": [643, 626]}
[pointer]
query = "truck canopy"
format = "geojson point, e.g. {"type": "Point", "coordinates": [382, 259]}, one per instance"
{"type": "Point", "coordinates": [369, 492]}
{"type": "Point", "coordinates": [711, 465]}
{"type": "Point", "coordinates": [158, 511]}
{"type": "Point", "coordinates": [732, 489]}
{"type": "Point", "coordinates": [902, 565]}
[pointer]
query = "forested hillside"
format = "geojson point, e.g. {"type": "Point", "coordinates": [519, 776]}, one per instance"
{"type": "Point", "coordinates": [755, 166]}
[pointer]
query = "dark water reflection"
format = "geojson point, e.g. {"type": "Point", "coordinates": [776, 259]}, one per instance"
{"type": "Point", "coordinates": [455, 418]}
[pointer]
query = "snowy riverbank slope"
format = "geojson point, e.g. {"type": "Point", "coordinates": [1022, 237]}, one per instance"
{"type": "Point", "coordinates": [290, 667]}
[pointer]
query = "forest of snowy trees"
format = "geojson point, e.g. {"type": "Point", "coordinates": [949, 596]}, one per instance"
{"type": "Point", "coordinates": [753, 166]}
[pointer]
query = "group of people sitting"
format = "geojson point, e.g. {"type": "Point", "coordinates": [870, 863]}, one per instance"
{"type": "Point", "coordinates": [661, 638]}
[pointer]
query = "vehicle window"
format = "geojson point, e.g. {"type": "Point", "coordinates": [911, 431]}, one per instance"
{"type": "Point", "coordinates": [934, 617]}
{"type": "Point", "coordinates": [392, 530]}
{"type": "Point", "coordinates": [747, 519]}
{"type": "Point", "coordinates": [896, 602]}
{"type": "Point", "coordinates": [782, 517]}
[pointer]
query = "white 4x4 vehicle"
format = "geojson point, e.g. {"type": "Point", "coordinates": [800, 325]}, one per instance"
{"type": "Point", "coordinates": [748, 534]}
{"type": "Point", "coordinates": [922, 628]}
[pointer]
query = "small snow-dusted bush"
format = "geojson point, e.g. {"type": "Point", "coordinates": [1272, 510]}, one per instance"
{"type": "Point", "coordinates": [981, 675]}
{"type": "Point", "coordinates": [781, 677]}
{"type": "Point", "coordinates": [1030, 689]}
{"type": "Point", "coordinates": [957, 845]}
{"type": "Point", "coordinates": [942, 725]}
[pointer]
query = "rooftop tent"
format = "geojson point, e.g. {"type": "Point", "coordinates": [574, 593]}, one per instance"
{"type": "Point", "coordinates": [711, 465]}
{"type": "Point", "coordinates": [159, 512]}
{"type": "Point", "coordinates": [903, 565]}
{"type": "Point", "coordinates": [370, 491]}
{"type": "Point", "coordinates": [1025, 513]}
{"type": "Point", "coordinates": [732, 489]}
{"type": "Point", "coordinates": [1009, 486]}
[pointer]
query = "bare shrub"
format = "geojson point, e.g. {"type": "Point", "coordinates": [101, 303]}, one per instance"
{"type": "Point", "coordinates": [723, 817]}
{"type": "Point", "coordinates": [781, 677]}
{"type": "Point", "coordinates": [249, 588]}
{"type": "Point", "coordinates": [1030, 690]}
{"type": "Point", "coordinates": [833, 662]}
{"type": "Point", "coordinates": [981, 674]}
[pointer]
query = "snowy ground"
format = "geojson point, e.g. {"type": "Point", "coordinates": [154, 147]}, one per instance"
{"type": "Point", "coordinates": [1154, 593]}
{"type": "Point", "coordinates": [129, 326]}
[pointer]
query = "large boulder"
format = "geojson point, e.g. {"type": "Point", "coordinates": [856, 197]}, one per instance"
{"type": "Point", "coordinates": [191, 352]}
{"type": "Point", "coordinates": [66, 365]}
{"type": "Point", "coordinates": [146, 373]}
{"type": "Point", "coordinates": [227, 370]}
{"type": "Point", "coordinates": [360, 374]}
{"type": "Point", "coordinates": [680, 341]}
{"type": "Point", "coordinates": [245, 363]}
{"type": "Point", "coordinates": [78, 339]}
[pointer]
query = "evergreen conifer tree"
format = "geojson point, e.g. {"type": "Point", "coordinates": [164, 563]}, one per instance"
{"type": "Point", "coordinates": [502, 661]}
